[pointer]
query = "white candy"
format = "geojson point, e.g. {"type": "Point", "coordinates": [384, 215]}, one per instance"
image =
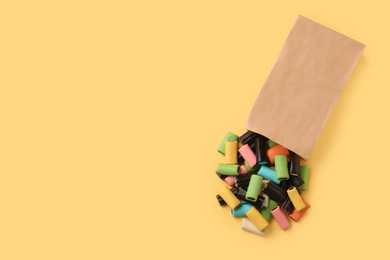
{"type": "Point", "coordinates": [247, 225]}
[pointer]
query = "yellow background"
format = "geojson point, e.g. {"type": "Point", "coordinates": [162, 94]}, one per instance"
{"type": "Point", "coordinates": [111, 112]}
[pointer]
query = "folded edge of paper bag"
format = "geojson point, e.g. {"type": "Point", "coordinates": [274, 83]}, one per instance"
{"type": "Point", "coordinates": [304, 85]}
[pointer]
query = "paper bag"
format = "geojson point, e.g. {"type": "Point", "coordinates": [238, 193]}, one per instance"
{"type": "Point", "coordinates": [304, 85]}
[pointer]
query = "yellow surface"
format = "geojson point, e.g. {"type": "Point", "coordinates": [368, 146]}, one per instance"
{"type": "Point", "coordinates": [111, 114]}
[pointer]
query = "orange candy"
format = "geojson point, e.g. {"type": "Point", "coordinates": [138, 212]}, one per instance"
{"type": "Point", "coordinates": [277, 150]}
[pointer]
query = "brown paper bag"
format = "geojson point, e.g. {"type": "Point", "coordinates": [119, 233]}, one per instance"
{"type": "Point", "coordinates": [304, 85]}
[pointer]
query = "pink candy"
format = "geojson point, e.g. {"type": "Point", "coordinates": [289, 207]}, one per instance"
{"type": "Point", "coordinates": [280, 217]}
{"type": "Point", "coordinates": [248, 155]}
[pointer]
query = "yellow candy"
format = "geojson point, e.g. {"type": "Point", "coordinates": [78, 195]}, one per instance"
{"type": "Point", "coordinates": [228, 196]}
{"type": "Point", "coordinates": [231, 152]}
{"type": "Point", "coordinates": [296, 198]}
{"type": "Point", "coordinates": [254, 215]}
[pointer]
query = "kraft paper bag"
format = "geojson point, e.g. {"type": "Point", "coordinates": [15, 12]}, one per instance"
{"type": "Point", "coordinates": [304, 86]}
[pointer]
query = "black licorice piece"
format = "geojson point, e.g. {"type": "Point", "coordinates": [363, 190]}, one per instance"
{"type": "Point", "coordinates": [296, 181]}
{"type": "Point", "coordinates": [258, 203]}
{"type": "Point", "coordinates": [261, 150]}
{"type": "Point", "coordinates": [248, 137]}
{"type": "Point", "coordinates": [294, 164]}
{"type": "Point", "coordinates": [221, 201]}
{"type": "Point", "coordinates": [240, 193]}
{"type": "Point", "coordinates": [242, 180]}
{"type": "Point", "coordinates": [240, 159]}
{"type": "Point", "coordinates": [275, 192]}
{"type": "Point", "coordinates": [284, 185]}
{"type": "Point", "coordinates": [288, 206]}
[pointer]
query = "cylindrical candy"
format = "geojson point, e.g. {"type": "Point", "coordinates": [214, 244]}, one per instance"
{"type": "Point", "coordinates": [268, 173]}
{"type": "Point", "coordinates": [266, 200]}
{"type": "Point", "coordinates": [254, 188]}
{"type": "Point", "coordinates": [248, 155]}
{"type": "Point", "coordinates": [243, 169]}
{"type": "Point", "coordinates": [241, 210]}
{"type": "Point", "coordinates": [230, 180]}
{"type": "Point", "coordinates": [297, 215]}
{"type": "Point", "coordinates": [228, 169]}
{"type": "Point", "coordinates": [296, 198]}
{"type": "Point", "coordinates": [242, 180]}
{"type": "Point", "coordinates": [258, 204]}
{"type": "Point", "coordinates": [281, 167]}
{"type": "Point", "coordinates": [266, 212]}
{"type": "Point", "coordinates": [304, 173]}
{"type": "Point", "coordinates": [257, 219]}
{"type": "Point", "coordinates": [228, 196]}
{"type": "Point", "coordinates": [276, 150]}
{"type": "Point", "coordinates": [248, 137]}
{"type": "Point", "coordinates": [228, 137]}
{"type": "Point", "coordinates": [296, 180]}
{"type": "Point", "coordinates": [288, 206]}
{"type": "Point", "coordinates": [251, 169]}
{"type": "Point", "coordinates": [247, 225]}
{"type": "Point", "coordinates": [280, 217]}
{"type": "Point", "coordinates": [261, 150]}
{"type": "Point", "coordinates": [231, 152]}
{"type": "Point", "coordinates": [294, 164]}
{"type": "Point", "coordinates": [220, 201]}
{"type": "Point", "coordinates": [275, 192]}
{"type": "Point", "coordinates": [271, 143]}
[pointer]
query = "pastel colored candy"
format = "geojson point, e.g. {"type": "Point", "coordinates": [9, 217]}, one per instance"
{"type": "Point", "coordinates": [231, 152]}
{"type": "Point", "coordinates": [257, 219]}
{"type": "Point", "coordinates": [296, 198]}
{"type": "Point", "coordinates": [276, 150]}
{"type": "Point", "coordinates": [243, 169]}
{"type": "Point", "coordinates": [304, 173]}
{"type": "Point", "coordinates": [227, 195]}
{"type": "Point", "coordinates": [247, 225]}
{"type": "Point", "coordinates": [281, 167]}
{"type": "Point", "coordinates": [241, 210]}
{"type": "Point", "coordinates": [266, 212]}
{"type": "Point", "coordinates": [297, 215]}
{"type": "Point", "coordinates": [228, 169]}
{"type": "Point", "coordinates": [248, 155]}
{"type": "Point", "coordinates": [230, 180]}
{"type": "Point", "coordinates": [251, 169]}
{"type": "Point", "coordinates": [254, 188]}
{"type": "Point", "coordinates": [279, 216]}
{"type": "Point", "coordinates": [228, 137]}
{"type": "Point", "coordinates": [268, 173]}
{"type": "Point", "coordinates": [271, 143]}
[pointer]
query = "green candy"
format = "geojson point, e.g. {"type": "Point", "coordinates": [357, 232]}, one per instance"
{"type": "Point", "coordinates": [304, 173]}
{"type": "Point", "coordinates": [254, 188]}
{"type": "Point", "coordinates": [228, 169]}
{"type": "Point", "coordinates": [252, 169]}
{"type": "Point", "coordinates": [281, 167]}
{"type": "Point", "coordinates": [266, 212]}
{"type": "Point", "coordinates": [271, 143]}
{"type": "Point", "coordinates": [228, 137]}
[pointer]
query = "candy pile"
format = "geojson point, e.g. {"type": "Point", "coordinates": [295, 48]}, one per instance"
{"type": "Point", "coordinates": [255, 189]}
